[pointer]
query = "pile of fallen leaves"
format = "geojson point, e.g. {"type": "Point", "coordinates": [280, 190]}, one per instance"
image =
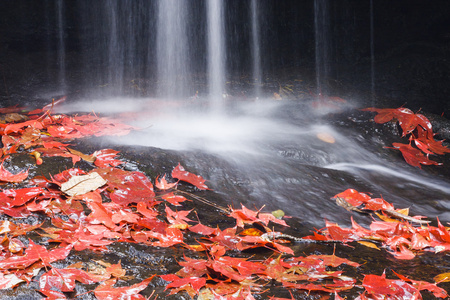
{"type": "Point", "coordinates": [128, 207]}
{"type": "Point", "coordinates": [420, 131]}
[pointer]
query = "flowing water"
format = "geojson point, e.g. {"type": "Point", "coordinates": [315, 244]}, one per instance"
{"type": "Point", "coordinates": [322, 44]}
{"type": "Point", "coordinates": [61, 45]}
{"type": "Point", "coordinates": [372, 53]}
{"type": "Point", "coordinates": [216, 52]}
{"type": "Point", "coordinates": [173, 53]}
{"type": "Point", "coordinates": [253, 150]}
{"type": "Point", "coordinates": [285, 155]}
{"type": "Point", "coordinates": [256, 55]}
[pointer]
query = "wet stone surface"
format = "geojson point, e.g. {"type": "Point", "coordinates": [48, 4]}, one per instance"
{"type": "Point", "coordinates": [298, 176]}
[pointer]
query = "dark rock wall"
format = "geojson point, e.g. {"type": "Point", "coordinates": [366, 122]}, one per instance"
{"type": "Point", "coordinates": [411, 43]}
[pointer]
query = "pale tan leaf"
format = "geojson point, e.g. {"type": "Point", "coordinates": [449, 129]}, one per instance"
{"type": "Point", "coordinates": [326, 137]}
{"type": "Point", "coordinates": [9, 281]}
{"type": "Point", "coordinates": [79, 185]}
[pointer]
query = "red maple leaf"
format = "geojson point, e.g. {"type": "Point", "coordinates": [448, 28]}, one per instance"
{"type": "Point", "coordinates": [248, 216]}
{"type": "Point", "coordinates": [100, 215]}
{"type": "Point", "coordinates": [178, 217]}
{"type": "Point", "coordinates": [162, 184]}
{"type": "Point", "coordinates": [81, 238]}
{"type": "Point", "coordinates": [64, 279]}
{"type": "Point", "coordinates": [196, 282]}
{"type": "Point", "coordinates": [62, 152]}
{"type": "Point", "coordinates": [353, 197]}
{"type": "Point", "coordinates": [380, 286]}
{"type": "Point", "coordinates": [423, 285]}
{"type": "Point", "coordinates": [7, 176]}
{"type": "Point", "coordinates": [180, 173]}
{"type": "Point", "coordinates": [128, 187]}
{"type": "Point", "coordinates": [64, 176]}
{"type": "Point", "coordinates": [52, 295]}
{"type": "Point", "coordinates": [430, 146]}
{"type": "Point", "coordinates": [106, 291]}
{"type": "Point", "coordinates": [18, 197]}
{"type": "Point", "coordinates": [146, 212]}
{"type": "Point", "coordinates": [33, 254]}
{"type": "Point", "coordinates": [17, 127]}
{"type": "Point", "coordinates": [414, 156]}
{"type": "Point", "coordinates": [106, 158]}
{"type": "Point", "coordinates": [174, 199]}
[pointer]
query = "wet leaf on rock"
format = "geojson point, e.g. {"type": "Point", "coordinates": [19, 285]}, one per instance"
{"type": "Point", "coordinates": [106, 291]}
{"type": "Point", "coordinates": [82, 184]}
{"type": "Point", "coordinates": [180, 173]}
{"type": "Point", "coordinates": [7, 176]}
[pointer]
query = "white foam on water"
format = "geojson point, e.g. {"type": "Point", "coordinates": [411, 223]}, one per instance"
{"type": "Point", "coordinates": [397, 173]}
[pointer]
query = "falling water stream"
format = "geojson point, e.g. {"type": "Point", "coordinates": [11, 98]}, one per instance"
{"type": "Point", "coordinates": [322, 41]}
{"type": "Point", "coordinates": [256, 55]}
{"type": "Point", "coordinates": [172, 49]}
{"type": "Point", "coordinates": [216, 52]}
{"type": "Point", "coordinates": [372, 53]}
{"type": "Point", "coordinates": [164, 66]}
{"type": "Point", "coordinates": [61, 47]}
{"type": "Point", "coordinates": [270, 153]}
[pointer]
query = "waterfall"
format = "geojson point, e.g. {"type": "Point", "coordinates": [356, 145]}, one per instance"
{"type": "Point", "coordinates": [173, 49]}
{"type": "Point", "coordinates": [372, 54]}
{"type": "Point", "coordinates": [60, 50]}
{"type": "Point", "coordinates": [115, 48]}
{"type": "Point", "coordinates": [257, 74]}
{"type": "Point", "coordinates": [216, 52]}
{"type": "Point", "coordinates": [322, 41]}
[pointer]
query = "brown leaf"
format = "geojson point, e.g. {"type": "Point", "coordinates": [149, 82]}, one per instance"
{"type": "Point", "coordinates": [13, 117]}
{"type": "Point", "coordinates": [88, 158]}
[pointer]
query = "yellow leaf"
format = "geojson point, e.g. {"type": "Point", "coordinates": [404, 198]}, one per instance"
{"type": "Point", "coordinates": [179, 226]}
{"type": "Point", "coordinates": [196, 247]}
{"type": "Point", "coordinates": [252, 232]}
{"type": "Point", "coordinates": [444, 277]}
{"type": "Point", "coordinates": [369, 244]}
{"type": "Point", "coordinates": [403, 211]}
{"type": "Point", "coordinates": [278, 213]}
{"type": "Point", "coordinates": [386, 218]}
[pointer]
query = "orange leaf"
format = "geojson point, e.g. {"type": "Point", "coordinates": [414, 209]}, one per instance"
{"type": "Point", "coordinates": [251, 232]}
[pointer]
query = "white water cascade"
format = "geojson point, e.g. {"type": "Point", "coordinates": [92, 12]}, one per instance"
{"type": "Point", "coordinates": [172, 49]}
{"type": "Point", "coordinates": [216, 52]}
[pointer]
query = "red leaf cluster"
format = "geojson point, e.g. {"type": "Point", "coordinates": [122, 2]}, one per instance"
{"type": "Point", "coordinates": [41, 132]}
{"type": "Point", "coordinates": [379, 287]}
{"type": "Point", "coordinates": [128, 209]}
{"type": "Point", "coordinates": [402, 238]}
{"type": "Point", "coordinates": [420, 130]}
{"type": "Point", "coordinates": [224, 273]}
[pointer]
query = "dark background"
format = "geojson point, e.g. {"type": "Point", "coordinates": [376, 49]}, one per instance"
{"type": "Point", "coordinates": [409, 58]}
